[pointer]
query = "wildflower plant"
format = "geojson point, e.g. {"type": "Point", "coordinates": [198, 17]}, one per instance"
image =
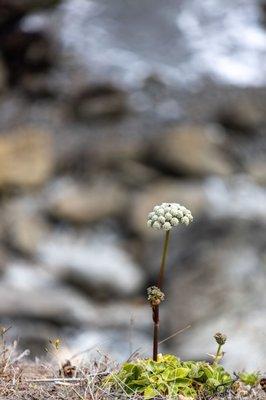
{"type": "Point", "coordinates": [169, 376]}
{"type": "Point", "coordinates": [220, 339]}
{"type": "Point", "coordinates": [166, 376]}
{"type": "Point", "coordinates": [163, 217]}
{"type": "Point", "coordinates": [250, 378]}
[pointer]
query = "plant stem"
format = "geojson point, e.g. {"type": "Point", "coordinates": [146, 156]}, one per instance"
{"type": "Point", "coordinates": [217, 354]}
{"type": "Point", "coordinates": [155, 309]}
{"type": "Point", "coordinates": [163, 260]}
{"type": "Point", "coordinates": [156, 323]}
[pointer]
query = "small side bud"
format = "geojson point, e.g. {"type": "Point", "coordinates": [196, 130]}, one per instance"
{"type": "Point", "coordinates": [220, 338]}
{"type": "Point", "coordinates": [155, 296]}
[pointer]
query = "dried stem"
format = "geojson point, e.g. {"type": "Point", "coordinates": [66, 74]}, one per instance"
{"type": "Point", "coordinates": [155, 309]}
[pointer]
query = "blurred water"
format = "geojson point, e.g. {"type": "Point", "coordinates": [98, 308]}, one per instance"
{"type": "Point", "coordinates": [181, 41]}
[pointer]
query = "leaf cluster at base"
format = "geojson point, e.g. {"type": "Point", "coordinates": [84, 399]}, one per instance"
{"type": "Point", "coordinates": [169, 376]}
{"type": "Point", "coordinates": [251, 379]}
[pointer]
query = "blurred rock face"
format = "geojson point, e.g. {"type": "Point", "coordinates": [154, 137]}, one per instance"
{"type": "Point", "coordinates": [225, 290]}
{"type": "Point", "coordinates": [179, 151]}
{"type": "Point", "coordinates": [26, 158]}
{"type": "Point", "coordinates": [82, 162]}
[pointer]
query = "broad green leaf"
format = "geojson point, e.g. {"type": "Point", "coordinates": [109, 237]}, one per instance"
{"type": "Point", "coordinates": [251, 379]}
{"type": "Point", "coordinates": [150, 393]}
{"type": "Point", "coordinates": [171, 375]}
{"type": "Point", "coordinates": [213, 383]}
{"type": "Point", "coordinates": [140, 382]}
{"type": "Point", "coordinates": [208, 371]}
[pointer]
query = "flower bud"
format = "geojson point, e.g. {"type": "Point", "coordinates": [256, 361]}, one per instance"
{"type": "Point", "coordinates": [155, 296]}
{"type": "Point", "coordinates": [220, 338]}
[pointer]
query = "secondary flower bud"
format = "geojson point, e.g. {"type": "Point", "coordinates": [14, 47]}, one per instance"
{"type": "Point", "coordinates": [155, 296]}
{"type": "Point", "coordinates": [220, 338]}
{"type": "Point", "coordinates": [168, 215]}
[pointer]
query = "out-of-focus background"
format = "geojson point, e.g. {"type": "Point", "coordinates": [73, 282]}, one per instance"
{"type": "Point", "coordinates": [106, 109]}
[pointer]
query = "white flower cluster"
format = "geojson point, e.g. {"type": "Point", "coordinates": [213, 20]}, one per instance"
{"type": "Point", "coordinates": [168, 215]}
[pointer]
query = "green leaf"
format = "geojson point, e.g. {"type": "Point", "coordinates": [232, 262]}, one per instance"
{"type": "Point", "coordinates": [189, 392]}
{"type": "Point", "coordinates": [209, 372]}
{"type": "Point", "coordinates": [171, 375]}
{"type": "Point", "coordinates": [213, 383]}
{"type": "Point", "coordinates": [140, 382]}
{"type": "Point", "coordinates": [150, 393]}
{"type": "Point", "coordinates": [251, 379]}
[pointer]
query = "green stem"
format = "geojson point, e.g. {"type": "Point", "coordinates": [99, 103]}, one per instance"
{"type": "Point", "coordinates": [156, 318]}
{"type": "Point", "coordinates": [163, 260]}
{"type": "Point", "coordinates": [217, 354]}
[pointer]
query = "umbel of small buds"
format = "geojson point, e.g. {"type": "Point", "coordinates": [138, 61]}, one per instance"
{"type": "Point", "coordinates": [168, 215]}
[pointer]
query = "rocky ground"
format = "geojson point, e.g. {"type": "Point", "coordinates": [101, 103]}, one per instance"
{"type": "Point", "coordinates": [81, 165]}
{"type": "Point", "coordinates": [78, 379]}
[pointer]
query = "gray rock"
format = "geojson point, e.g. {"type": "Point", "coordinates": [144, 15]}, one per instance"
{"type": "Point", "coordinates": [98, 102]}
{"type": "Point", "coordinates": [263, 12]}
{"type": "Point", "coordinates": [3, 76]}
{"type": "Point", "coordinates": [116, 345]}
{"type": "Point", "coordinates": [23, 224]}
{"type": "Point", "coordinates": [61, 306]}
{"type": "Point", "coordinates": [33, 336]}
{"type": "Point", "coordinates": [193, 150]}
{"type": "Point", "coordinates": [221, 288]}
{"type": "Point", "coordinates": [29, 291]}
{"type": "Point", "coordinates": [29, 278]}
{"type": "Point", "coordinates": [123, 314]}
{"type": "Point", "coordinates": [244, 349]}
{"type": "Point", "coordinates": [237, 197]}
{"type": "Point", "coordinates": [17, 9]}
{"type": "Point", "coordinates": [243, 115]}
{"type": "Point", "coordinates": [24, 275]}
{"type": "Point", "coordinates": [94, 155]}
{"type": "Point", "coordinates": [97, 263]}
{"type": "Point", "coordinates": [256, 168]}
{"type": "Point", "coordinates": [135, 173]}
{"type": "Point", "coordinates": [27, 50]}
{"type": "Point", "coordinates": [39, 86]}
{"type": "Point", "coordinates": [83, 203]}
{"type": "Point", "coordinates": [26, 157]}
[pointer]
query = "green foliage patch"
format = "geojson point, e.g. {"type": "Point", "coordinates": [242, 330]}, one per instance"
{"type": "Point", "coordinates": [169, 376]}
{"type": "Point", "coordinates": [251, 379]}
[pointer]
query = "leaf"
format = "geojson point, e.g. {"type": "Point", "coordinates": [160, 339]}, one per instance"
{"type": "Point", "coordinates": [170, 359]}
{"type": "Point", "coordinates": [249, 378]}
{"type": "Point", "coordinates": [140, 382]}
{"type": "Point", "coordinates": [171, 375]}
{"type": "Point", "coordinates": [189, 392]}
{"type": "Point", "coordinates": [150, 393]}
{"type": "Point", "coordinates": [208, 371]}
{"type": "Point", "coordinates": [213, 383]}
